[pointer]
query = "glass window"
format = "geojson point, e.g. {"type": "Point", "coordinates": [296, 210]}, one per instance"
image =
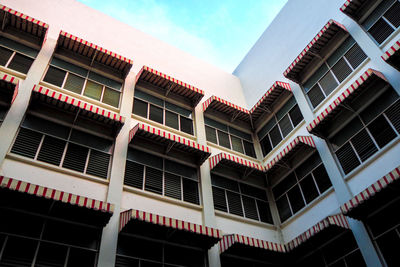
{"type": "Point", "coordinates": [16, 56]}
{"type": "Point", "coordinates": [172, 119]}
{"type": "Point", "coordinates": [186, 125]}
{"type": "Point", "coordinates": [93, 90]}
{"type": "Point", "coordinates": [73, 83]}
{"type": "Point", "coordinates": [111, 97]}
{"type": "Point", "coordinates": [140, 108]}
{"type": "Point", "coordinates": [156, 114]}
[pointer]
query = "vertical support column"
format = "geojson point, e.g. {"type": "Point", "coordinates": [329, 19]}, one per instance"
{"type": "Point", "coordinates": [14, 117]}
{"type": "Point", "coordinates": [342, 191]}
{"type": "Point", "coordinates": [109, 238]}
{"type": "Point", "coordinates": [206, 188]}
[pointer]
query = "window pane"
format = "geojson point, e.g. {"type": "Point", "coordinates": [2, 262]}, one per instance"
{"type": "Point", "coordinates": [249, 149]}
{"type": "Point", "coordinates": [149, 98]}
{"type": "Point", "coordinates": [104, 80]}
{"type": "Point", "coordinates": [309, 189]}
{"type": "Point", "coordinates": [27, 142]}
{"type": "Point", "coordinates": [134, 174]}
{"type": "Point", "coordinates": [153, 180]}
{"type": "Point", "coordinates": [111, 97]}
{"type": "Point", "coordinates": [295, 115]}
{"type": "Point", "coordinates": [341, 70]}
{"type": "Point", "coordinates": [80, 257]}
{"type": "Point", "coordinates": [355, 56]}
{"type": "Point", "coordinates": [381, 131]}
{"type": "Point", "coordinates": [264, 211]}
{"type": "Point", "coordinates": [296, 199]}
{"type": "Point", "coordinates": [392, 14]}
{"type": "Point", "coordinates": [177, 109]}
{"type": "Point", "coordinates": [285, 125]}
{"type": "Point", "coordinates": [223, 139]}
{"type": "Point", "coordinates": [393, 114]}
{"type": "Point", "coordinates": [211, 134]}
{"type": "Point", "coordinates": [275, 135]}
{"type": "Point", "coordinates": [140, 108]}
{"type": "Point", "coordinates": [186, 125]}
{"type": "Point", "coordinates": [364, 145]}
{"type": "Point", "coordinates": [21, 63]}
{"type": "Point", "coordinates": [93, 90]}
{"type": "Point", "coordinates": [54, 76]}
{"type": "Point", "coordinates": [145, 158]}
{"type": "Point", "coordinates": [172, 185]}
{"type": "Point", "coordinates": [125, 262]}
{"type": "Point", "coordinates": [5, 55]}
{"type": "Point", "coordinates": [347, 132]}
{"type": "Point", "coordinates": [283, 208]}
{"type": "Point", "coordinates": [284, 185]}
{"type": "Point", "coordinates": [308, 165]}
{"type": "Point", "coordinates": [237, 144]}
{"type": "Point", "coordinates": [51, 150]}
{"type": "Point", "coordinates": [219, 199]}
{"type": "Point", "coordinates": [98, 164]}
{"type": "Point", "coordinates": [91, 140]}
{"type": "Point", "coordinates": [190, 191]}
{"type": "Point", "coordinates": [265, 146]}
{"type": "Point", "coordinates": [285, 108]}
{"type": "Point", "coordinates": [75, 158]}
{"type": "Point", "coordinates": [171, 120]}
{"type": "Point", "coordinates": [180, 169]}
{"type": "Point", "coordinates": [18, 252]}
{"type": "Point", "coordinates": [322, 179]}
{"type": "Point", "coordinates": [340, 51]}
{"type": "Point", "coordinates": [234, 203]}
{"type": "Point", "coordinates": [378, 105]}
{"type": "Point", "coordinates": [68, 66]}
{"type": "Point", "coordinates": [347, 158]}
{"type": "Point", "coordinates": [74, 83]}
{"type": "Point", "coordinates": [355, 259]}
{"type": "Point", "coordinates": [156, 114]}
{"type": "Point", "coordinates": [266, 128]}
{"type": "Point", "coordinates": [380, 31]}
{"type": "Point", "coordinates": [224, 183]}
{"type": "Point", "coordinates": [250, 208]}
{"type": "Point", "coordinates": [328, 83]}
{"type": "Point", "coordinates": [315, 77]}
{"type": "Point", "coordinates": [315, 95]}
{"type": "Point", "coordinates": [215, 124]}
{"type": "Point", "coordinates": [51, 255]}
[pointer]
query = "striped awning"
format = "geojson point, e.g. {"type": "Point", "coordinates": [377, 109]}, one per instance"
{"type": "Point", "coordinates": [103, 56]}
{"type": "Point", "coordinates": [102, 210]}
{"type": "Point", "coordinates": [297, 143]}
{"type": "Point", "coordinates": [206, 236]}
{"type": "Point", "coordinates": [11, 84]}
{"type": "Point", "coordinates": [361, 83]}
{"type": "Point", "coordinates": [392, 55]}
{"type": "Point", "coordinates": [324, 36]}
{"type": "Point", "coordinates": [264, 104]}
{"type": "Point", "coordinates": [71, 103]}
{"type": "Point", "coordinates": [236, 162]}
{"type": "Point", "coordinates": [171, 140]}
{"type": "Point", "coordinates": [352, 208]}
{"type": "Point", "coordinates": [19, 21]}
{"type": "Point", "coordinates": [170, 84]}
{"type": "Point", "coordinates": [337, 220]}
{"type": "Point", "coordinates": [352, 8]}
{"type": "Point", "coordinates": [229, 241]}
{"type": "Point", "coordinates": [233, 111]}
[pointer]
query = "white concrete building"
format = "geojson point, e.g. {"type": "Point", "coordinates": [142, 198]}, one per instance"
{"type": "Point", "coordinates": [111, 155]}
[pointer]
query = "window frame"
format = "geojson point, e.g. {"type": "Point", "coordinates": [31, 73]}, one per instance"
{"type": "Point", "coordinates": [14, 52]}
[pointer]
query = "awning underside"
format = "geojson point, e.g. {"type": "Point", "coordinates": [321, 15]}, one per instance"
{"type": "Point", "coordinates": [94, 52]}
{"type": "Point", "coordinates": [170, 85]}
{"type": "Point", "coordinates": [392, 55]}
{"type": "Point", "coordinates": [354, 8]}
{"type": "Point", "coordinates": [245, 167]}
{"type": "Point", "coordinates": [313, 49]}
{"type": "Point", "coordinates": [18, 195]}
{"type": "Point", "coordinates": [19, 21]}
{"type": "Point", "coordinates": [232, 111]}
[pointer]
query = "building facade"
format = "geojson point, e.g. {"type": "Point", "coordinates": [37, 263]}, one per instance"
{"type": "Point", "coordinates": [120, 150]}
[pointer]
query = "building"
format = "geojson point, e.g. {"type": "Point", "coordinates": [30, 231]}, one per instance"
{"type": "Point", "coordinates": [111, 155]}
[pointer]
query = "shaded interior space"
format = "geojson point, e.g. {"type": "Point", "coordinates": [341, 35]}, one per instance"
{"type": "Point", "coordinates": [6, 95]}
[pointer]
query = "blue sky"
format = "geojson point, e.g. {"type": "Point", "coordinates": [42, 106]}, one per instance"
{"type": "Point", "coordinates": [218, 31]}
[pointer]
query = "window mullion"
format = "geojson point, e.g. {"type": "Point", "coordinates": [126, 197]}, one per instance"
{"type": "Point", "coordinates": [301, 189]}
{"type": "Point", "coordinates": [84, 85]}
{"type": "Point", "coordinates": [226, 201]}
{"type": "Point", "coordinates": [258, 209]}
{"type": "Point", "coordinates": [39, 147]}
{"type": "Point", "coordinates": [67, 256]}
{"type": "Point", "coordinates": [355, 151]}
{"type": "Point", "coordinates": [315, 182]}
{"type": "Point", "coordinates": [390, 123]}
{"type": "Point", "coordinates": [181, 180]}
{"type": "Point", "coordinates": [87, 160]}
{"type": "Point", "coordinates": [102, 93]}
{"type": "Point", "coordinates": [387, 21]}
{"type": "Point", "coordinates": [64, 153]}
{"type": "Point", "coordinates": [216, 133]}
{"type": "Point", "coordinates": [144, 177]}
{"type": "Point", "coordinates": [347, 62]}
{"type": "Point", "coordinates": [290, 204]}
{"type": "Point", "coordinates": [10, 59]}
{"type": "Point", "coordinates": [372, 137]}
{"type": "Point", "coordinates": [65, 79]}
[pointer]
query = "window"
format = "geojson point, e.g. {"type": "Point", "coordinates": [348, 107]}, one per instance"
{"type": "Point", "coordinates": [161, 176]}
{"type": "Point", "coordinates": [63, 146]}
{"type": "Point", "coordinates": [84, 82]}
{"type": "Point", "coordinates": [346, 58]}
{"type": "Point", "coordinates": [383, 21]}
{"type": "Point", "coordinates": [163, 112]}
{"type": "Point", "coordinates": [16, 56]}
{"type": "Point", "coordinates": [371, 127]}
{"type": "Point", "coordinates": [240, 199]}
{"type": "Point", "coordinates": [228, 137]}
{"type": "Point", "coordinates": [279, 126]}
{"type": "Point", "coordinates": [308, 181]}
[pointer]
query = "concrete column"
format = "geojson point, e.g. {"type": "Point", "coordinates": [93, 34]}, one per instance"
{"type": "Point", "coordinates": [109, 239]}
{"type": "Point", "coordinates": [14, 117]}
{"type": "Point", "coordinates": [342, 191]}
{"type": "Point", "coordinates": [205, 187]}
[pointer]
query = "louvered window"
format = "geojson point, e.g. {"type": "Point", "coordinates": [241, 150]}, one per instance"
{"type": "Point", "coordinates": [240, 199]}
{"type": "Point", "coordinates": [48, 142]}
{"type": "Point", "coordinates": [383, 21]}
{"type": "Point", "coordinates": [279, 125]}
{"type": "Point", "coordinates": [163, 112]}
{"type": "Point", "coordinates": [161, 176]}
{"type": "Point", "coordinates": [373, 127]}
{"type": "Point", "coordinates": [305, 183]}
{"type": "Point", "coordinates": [229, 137]}
{"type": "Point", "coordinates": [339, 65]}
{"type": "Point", "coordinates": [16, 56]}
{"type": "Point", "coordinates": [81, 81]}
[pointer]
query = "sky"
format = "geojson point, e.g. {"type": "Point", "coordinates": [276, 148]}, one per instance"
{"type": "Point", "coordinates": [220, 32]}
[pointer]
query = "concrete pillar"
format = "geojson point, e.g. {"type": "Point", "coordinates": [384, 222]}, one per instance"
{"type": "Point", "coordinates": [14, 117]}
{"type": "Point", "coordinates": [206, 188]}
{"type": "Point", "coordinates": [109, 238]}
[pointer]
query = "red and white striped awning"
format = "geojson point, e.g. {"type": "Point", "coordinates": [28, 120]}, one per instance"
{"type": "Point", "coordinates": [386, 181]}
{"type": "Point", "coordinates": [290, 149]}
{"type": "Point", "coordinates": [170, 84]}
{"type": "Point", "coordinates": [352, 7]}
{"type": "Point", "coordinates": [99, 54]}
{"type": "Point", "coordinates": [337, 220]}
{"type": "Point", "coordinates": [20, 21]}
{"type": "Point", "coordinates": [11, 83]}
{"type": "Point", "coordinates": [264, 104]}
{"type": "Point", "coordinates": [361, 83]}
{"type": "Point", "coordinates": [71, 103]}
{"type": "Point", "coordinates": [324, 36]}
{"type": "Point", "coordinates": [208, 235]}
{"type": "Point", "coordinates": [228, 241]}
{"type": "Point", "coordinates": [177, 141]}
{"type": "Point", "coordinates": [227, 108]}
{"type": "Point", "coordinates": [234, 161]}
{"type": "Point", "coordinates": [392, 55]}
{"type": "Point", "coordinates": [53, 194]}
